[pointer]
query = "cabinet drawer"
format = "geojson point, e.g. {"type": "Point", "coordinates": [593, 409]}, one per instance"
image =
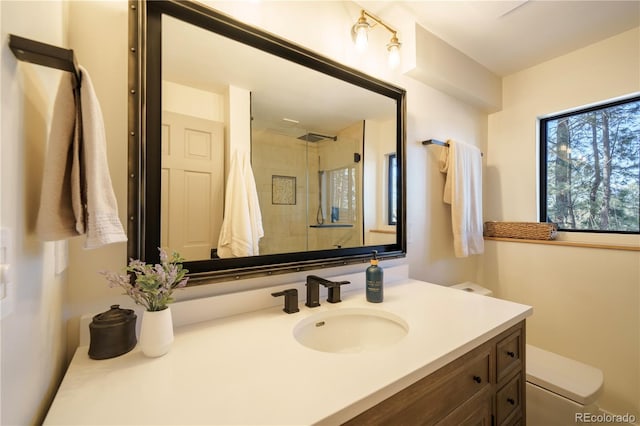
{"type": "Point", "coordinates": [509, 354]}
{"type": "Point", "coordinates": [432, 398]}
{"type": "Point", "coordinates": [475, 412]}
{"type": "Point", "coordinates": [464, 392]}
{"type": "Point", "coordinates": [462, 385]}
{"type": "Point", "coordinates": [508, 400]}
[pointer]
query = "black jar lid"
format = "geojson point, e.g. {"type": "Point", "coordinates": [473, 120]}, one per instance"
{"type": "Point", "coordinates": [114, 316]}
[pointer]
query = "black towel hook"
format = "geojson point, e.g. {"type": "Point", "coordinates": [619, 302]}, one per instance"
{"type": "Point", "coordinates": [44, 54]}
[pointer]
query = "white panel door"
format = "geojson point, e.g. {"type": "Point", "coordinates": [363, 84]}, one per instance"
{"type": "Point", "coordinates": [192, 184]}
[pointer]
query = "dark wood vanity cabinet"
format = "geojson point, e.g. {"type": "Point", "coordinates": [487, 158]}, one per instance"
{"type": "Point", "coordinates": [484, 387]}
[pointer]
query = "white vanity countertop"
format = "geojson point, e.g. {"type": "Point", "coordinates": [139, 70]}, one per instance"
{"type": "Point", "coordinates": [248, 369]}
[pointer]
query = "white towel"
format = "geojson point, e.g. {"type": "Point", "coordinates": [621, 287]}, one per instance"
{"type": "Point", "coordinates": [242, 223]}
{"type": "Point", "coordinates": [463, 190]}
{"type": "Point", "coordinates": [77, 195]}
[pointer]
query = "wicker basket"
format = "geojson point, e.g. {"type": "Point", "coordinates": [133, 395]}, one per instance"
{"type": "Point", "coordinates": [522, 230]}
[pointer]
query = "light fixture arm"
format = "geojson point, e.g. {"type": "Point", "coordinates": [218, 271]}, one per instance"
{"type": "Point", "coordinates": [364, 14]}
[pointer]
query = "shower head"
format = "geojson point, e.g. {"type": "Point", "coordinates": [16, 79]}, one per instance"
{"type": "Point", "coordinates": [316, 137]}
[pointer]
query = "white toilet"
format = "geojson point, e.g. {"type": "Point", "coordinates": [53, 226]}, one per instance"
{"type": "Point", "coordinates": [560, 391]}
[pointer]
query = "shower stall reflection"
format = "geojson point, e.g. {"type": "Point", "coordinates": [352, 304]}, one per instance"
{"type": "Point", "coordinates": [310, 188]}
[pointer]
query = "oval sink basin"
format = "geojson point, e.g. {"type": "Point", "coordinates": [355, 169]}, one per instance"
{"type": "Point", "coordinates": [350, 330]}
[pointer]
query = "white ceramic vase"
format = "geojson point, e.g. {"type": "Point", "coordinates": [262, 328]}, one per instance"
{"type": "Point", "coordinates": [156, 332]}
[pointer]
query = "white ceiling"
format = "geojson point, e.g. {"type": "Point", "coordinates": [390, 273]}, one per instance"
{"type": "Point", "coordinates": [511, 35]}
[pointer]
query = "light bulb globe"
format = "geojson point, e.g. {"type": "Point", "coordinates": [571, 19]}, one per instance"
{"type": "Point", "coordinates": [394, 53]}
{"type": "Point", "coordinates": [360, 34]}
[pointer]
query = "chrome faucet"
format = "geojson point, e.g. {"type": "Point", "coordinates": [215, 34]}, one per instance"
{"type": "Point", "coordinates": [313, 290]}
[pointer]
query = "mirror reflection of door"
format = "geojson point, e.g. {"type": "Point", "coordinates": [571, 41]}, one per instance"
{"type": "Point", "coordinates": [192, 184]}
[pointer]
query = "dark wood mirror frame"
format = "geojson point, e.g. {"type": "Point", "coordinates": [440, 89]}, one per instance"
{"type": "Point", "coordinates": [145, 76]}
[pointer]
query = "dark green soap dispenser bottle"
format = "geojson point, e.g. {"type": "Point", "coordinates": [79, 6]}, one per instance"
{"type": "Point", "coordinates": [375, 274]}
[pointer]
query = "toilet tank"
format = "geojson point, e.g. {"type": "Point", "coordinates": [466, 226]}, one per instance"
{"type": "Point", "coordinates": [566, 377]}
{"type": "Point", "coordinates": [562, 376]}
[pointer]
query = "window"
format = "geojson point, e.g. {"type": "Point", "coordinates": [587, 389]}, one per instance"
{"type": "Point", "coordinates": [392, 190]}
{"type": "Point", "coordinates": [590, 168]}
{"type": "Point", "coordinates": [339, 195]}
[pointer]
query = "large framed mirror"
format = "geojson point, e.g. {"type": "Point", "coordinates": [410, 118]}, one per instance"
{"type": "Point", "coordinates": [239, 136]}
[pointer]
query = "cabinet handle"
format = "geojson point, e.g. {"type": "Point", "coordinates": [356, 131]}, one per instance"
{"type": "Point", "coordinates": [511, 401]}
{"type": "Point", "coordinates": [511, 354]}
{"type": "Point", "coordinates": [477, 379]}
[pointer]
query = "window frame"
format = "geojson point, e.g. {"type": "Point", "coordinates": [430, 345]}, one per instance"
{"type": "Point", "coordinates": [543, 163]}
{"type": "Point", "coordinates": [346, 215]}
{"type": "Point", "coordinates": [392, 177]}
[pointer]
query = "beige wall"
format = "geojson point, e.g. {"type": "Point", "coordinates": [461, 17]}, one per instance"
{"type": "Point", "coordinates": [32, 327]}
{"type": "Point", "coordinates": [586, 301]}
{"type": "Point", "coordinates": [430, 113]}
{"type": "Point", "coordinates": [32, 339]}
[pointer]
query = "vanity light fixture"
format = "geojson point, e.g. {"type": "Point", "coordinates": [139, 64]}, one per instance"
{"type": "Point", "coordinates": [360, 33]}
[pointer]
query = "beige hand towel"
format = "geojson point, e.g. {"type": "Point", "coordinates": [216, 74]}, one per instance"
{"type": "Point", "coordinates": [102, 222]}
{"type": "Point", "coordinates": [61, 213]}
{"type": "Point", "coordinates": [463, 190]}
{"type": "Point", "coordinates": [77, 194]}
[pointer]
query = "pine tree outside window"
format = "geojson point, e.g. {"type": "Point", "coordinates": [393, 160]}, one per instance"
{"type": "Point", "coordinates": [590, 168]}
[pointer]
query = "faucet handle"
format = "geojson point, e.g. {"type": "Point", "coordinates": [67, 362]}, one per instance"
{"type": "Point", "coordinates": [290, 300]}
{"type": "Point", "coordinates": [333, 287]}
